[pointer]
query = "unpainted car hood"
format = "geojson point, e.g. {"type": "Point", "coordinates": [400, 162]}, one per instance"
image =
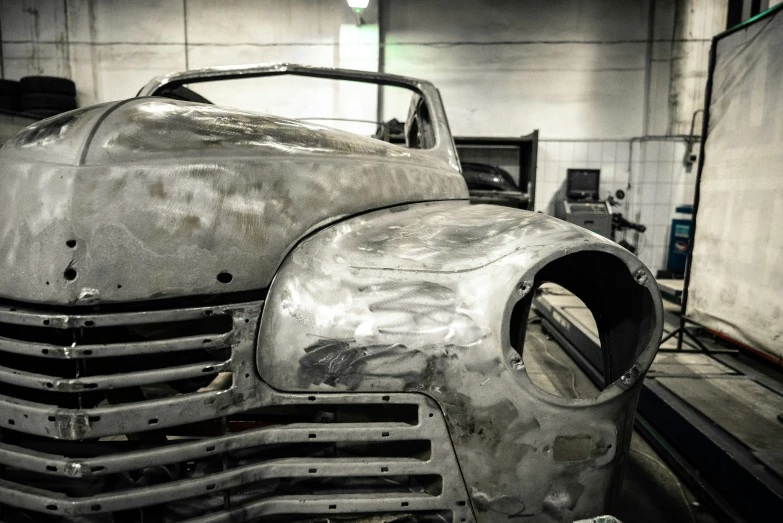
{"type": "Point", "coordinates": [153, 198]}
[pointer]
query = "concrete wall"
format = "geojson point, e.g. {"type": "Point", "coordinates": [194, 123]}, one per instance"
{"type": "Point", "coordinates": [575, 69]}
{"type": "Point", "coordinates": [695, 25]}
{"type": "Point", "coordinates": [110, 48]}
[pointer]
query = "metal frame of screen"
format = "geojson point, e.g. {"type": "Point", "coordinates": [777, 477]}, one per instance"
{"type": "Point", "coordinates": [682, 331]}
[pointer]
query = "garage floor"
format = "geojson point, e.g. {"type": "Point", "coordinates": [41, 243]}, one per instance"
{"type": "Point", "coordinates": [651, 492]}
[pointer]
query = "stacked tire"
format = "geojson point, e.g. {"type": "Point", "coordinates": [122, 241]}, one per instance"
{"type": "Point", "coordinates": [45, 96]}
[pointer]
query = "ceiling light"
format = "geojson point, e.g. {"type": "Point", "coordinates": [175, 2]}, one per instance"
{"type": "Point", "coordinates": [358, 5]}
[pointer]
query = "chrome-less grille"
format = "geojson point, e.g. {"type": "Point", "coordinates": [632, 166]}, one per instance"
{"type": "Point", "coordinates": [160, 416]}
{"type": "Point", "coordinates": [54, 368]}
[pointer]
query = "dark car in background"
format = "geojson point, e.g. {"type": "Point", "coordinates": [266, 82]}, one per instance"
{"type": "Point", "coordinates": [493, 185]}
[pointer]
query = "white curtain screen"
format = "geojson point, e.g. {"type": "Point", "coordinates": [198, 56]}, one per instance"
{"type": "Point", "coordinates": [736, 285]}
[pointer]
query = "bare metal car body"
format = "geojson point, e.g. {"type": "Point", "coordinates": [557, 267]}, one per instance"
{"type": "Point", "coordinates": [213, 315]}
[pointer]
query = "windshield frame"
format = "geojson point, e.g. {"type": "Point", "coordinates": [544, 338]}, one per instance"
{"type": "Point", "coordinates": [444, 143]}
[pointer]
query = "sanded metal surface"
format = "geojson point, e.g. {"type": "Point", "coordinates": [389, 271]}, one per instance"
{"type": "Point", "coordinates": [37, 477]}
{"type": "Point", "coordinates": [692, 441]}
{"type": "Point", "coordinates": [442, 150]}
{"type": "Point", "coordinates": [423, 299]}
{"type": "Point", "coordinates": [150, 197]}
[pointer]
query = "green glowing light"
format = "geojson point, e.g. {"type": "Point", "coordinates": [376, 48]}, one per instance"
{"type": "Point", "coordinates": [358, 5]}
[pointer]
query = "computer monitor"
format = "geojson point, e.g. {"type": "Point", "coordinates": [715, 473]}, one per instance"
{"type": "Point", "coordinates": [582, 184]}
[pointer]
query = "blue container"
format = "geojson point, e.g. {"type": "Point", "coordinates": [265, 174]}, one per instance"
{"type": "Point", "coordinates": [680, 239]}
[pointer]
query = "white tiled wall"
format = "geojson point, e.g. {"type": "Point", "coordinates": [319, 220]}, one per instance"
{"type": "Point", "coordinates": [655, 181]}
{"type": "Point", "coordinates": [660, 183]}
